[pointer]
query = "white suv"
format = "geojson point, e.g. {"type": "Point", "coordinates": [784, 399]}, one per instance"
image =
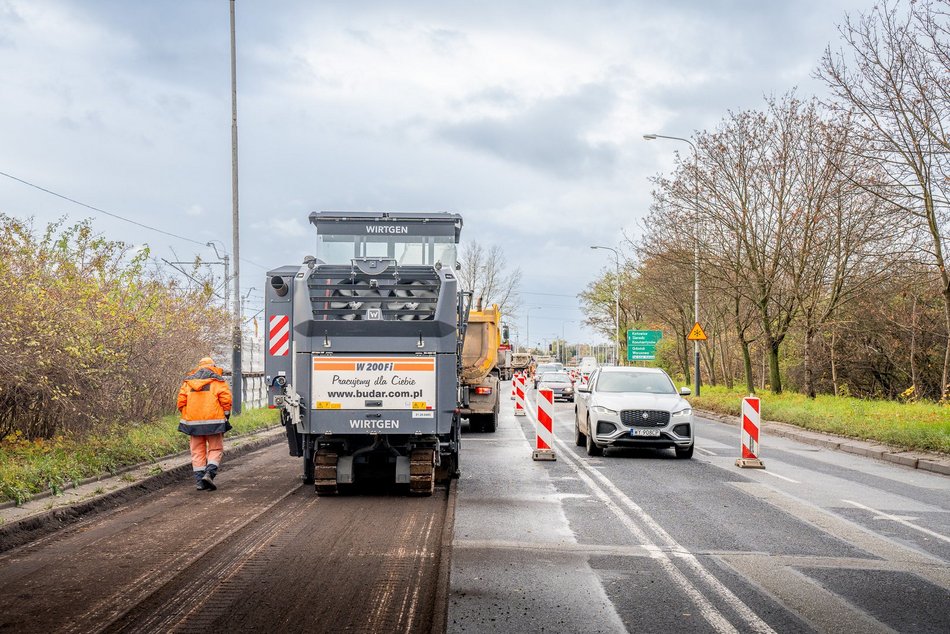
{"type": "Point", "coordinates": [632, 407]}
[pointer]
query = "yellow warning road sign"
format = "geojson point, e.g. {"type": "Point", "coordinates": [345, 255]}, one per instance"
{"type": "Point", "coordinates": [697, 334]}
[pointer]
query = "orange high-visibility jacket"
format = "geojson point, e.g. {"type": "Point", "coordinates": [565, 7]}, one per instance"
{"type": "Point", "coordinates": [203, 399]}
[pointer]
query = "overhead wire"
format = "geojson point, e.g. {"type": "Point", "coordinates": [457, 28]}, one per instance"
{"type": "Point", "coordinates": [115, 215]}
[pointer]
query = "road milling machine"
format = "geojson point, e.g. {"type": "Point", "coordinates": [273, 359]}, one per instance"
{"type": "Point", "coordinates": [364, 347]}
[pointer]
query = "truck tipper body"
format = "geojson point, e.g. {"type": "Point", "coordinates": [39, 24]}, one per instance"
{"type": "Point", "coordinates": [364, 342]}
{"type": "Point", "coordinates": [520, 361]}
{"type": "Point", "coordinates": [486, 362]}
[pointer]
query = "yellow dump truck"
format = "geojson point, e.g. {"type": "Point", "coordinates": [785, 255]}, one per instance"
{"type": "Point", "coordinates": [486, 363]}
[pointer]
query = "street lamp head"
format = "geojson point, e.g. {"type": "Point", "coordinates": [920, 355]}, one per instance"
{"type": "Point", "coordinates": [649, 137]}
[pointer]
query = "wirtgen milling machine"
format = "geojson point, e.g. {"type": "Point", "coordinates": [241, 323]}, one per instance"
{"type": "Point", "coordinates": [363, 349]}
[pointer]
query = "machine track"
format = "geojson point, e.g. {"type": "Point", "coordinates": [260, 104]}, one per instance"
{"type": "Point", "coordinates": [325, 472]}
{"type": "Point", "coordinates": [422, 472]}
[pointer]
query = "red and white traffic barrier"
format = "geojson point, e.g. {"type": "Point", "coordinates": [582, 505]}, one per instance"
{"type": "Point", "coordinates": [545, 434]}
{"type": "Point", "coordinates": [514, 386]}
{"type": "Point", "coordinates": [749, 434]}
{"type": "Point", "coordinates": [519, 397]}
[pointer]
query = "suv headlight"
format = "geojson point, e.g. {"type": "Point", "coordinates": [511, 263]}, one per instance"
{"type": "Point", "coordinates": [683, 413]}
{"type": "Point", "coordinates": [603, 411]}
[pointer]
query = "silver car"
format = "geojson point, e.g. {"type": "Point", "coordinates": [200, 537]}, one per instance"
{"type": "Point", "coordinates": [559, 383]}
{"type": "Point", "coordinates": [632, 407]}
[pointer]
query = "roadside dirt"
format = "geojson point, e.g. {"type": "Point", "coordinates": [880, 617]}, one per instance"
{"type": "Point", "coordinates": [260, 554]}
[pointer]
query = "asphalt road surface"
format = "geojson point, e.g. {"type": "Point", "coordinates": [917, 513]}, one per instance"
{"type": "Point", "coordinates": [635, 541]}
{"type": "Point", "coordinates": [261, 554]}
{"type": "Point", "coordinates": [638, 540]}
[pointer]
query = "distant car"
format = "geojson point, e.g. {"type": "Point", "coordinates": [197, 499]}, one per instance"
{"type": "Point", "coordinates": [546, 367]}
{"type": "Point", "coordinates": [559, 383]}
{"type": "Point", "coordinates": [632, 407]}
{"type": "Point", "coordinates": [588, 365]}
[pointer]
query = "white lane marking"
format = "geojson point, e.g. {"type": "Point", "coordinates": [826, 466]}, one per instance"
{"type": "Point", "coordinates": [775, 475]}
{"type": "Point", "coordinates": [706, 607]}
{"type": "Point", "coordinates": [705, 451]}
{"type": "Point", "coordinates": [899, 520]}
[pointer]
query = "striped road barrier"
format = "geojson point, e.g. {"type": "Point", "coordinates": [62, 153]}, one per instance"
{"type": "Point", "coordinates": [749, 434]}
{"type": "Point", "coordinates": [545, 435]}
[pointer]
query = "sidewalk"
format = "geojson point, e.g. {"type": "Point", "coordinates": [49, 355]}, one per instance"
{"type": "Point", "coordinates": [923, 460]}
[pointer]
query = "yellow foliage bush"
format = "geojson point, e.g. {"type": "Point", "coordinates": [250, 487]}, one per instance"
{"type": "Point", "coordinates": [88, 335]}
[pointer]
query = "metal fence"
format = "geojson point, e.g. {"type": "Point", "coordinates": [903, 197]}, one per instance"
{"type": "Point", "coordinates": [253, 389]}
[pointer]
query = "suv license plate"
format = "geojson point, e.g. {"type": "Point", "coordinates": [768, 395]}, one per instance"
{"type": "Point", "coordinates": [645, 432]}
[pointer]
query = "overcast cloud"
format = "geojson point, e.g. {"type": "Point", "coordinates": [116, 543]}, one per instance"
{"type": "Point", "coordinates": [525, 117]}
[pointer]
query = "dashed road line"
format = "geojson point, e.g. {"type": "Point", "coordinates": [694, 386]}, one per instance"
{"type": "Point", "coordinates": [779, 476]}
{"type": "Point", "coordinates": [899, 520]}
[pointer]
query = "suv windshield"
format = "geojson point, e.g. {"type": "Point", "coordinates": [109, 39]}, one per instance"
{"type": "Point", "coordinates": [647, 382]}
{"type": "Point", "coordinates": [555, 377]}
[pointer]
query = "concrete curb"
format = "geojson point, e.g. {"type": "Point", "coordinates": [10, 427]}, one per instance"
{"type": "Point", "coordinates": [34, 525]}
{"type": "Point", "coordinates": [923, 460]}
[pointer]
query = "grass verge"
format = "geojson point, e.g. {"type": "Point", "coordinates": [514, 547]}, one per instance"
{"type": "Point", "coordinates": [920, 426]}
{"type": "Point", "coordinates": [30, 467]}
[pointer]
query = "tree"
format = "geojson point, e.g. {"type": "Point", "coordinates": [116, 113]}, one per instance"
{"type": "Point", "coordinates": [891, 76]}
{"type": "Point", "coordinates": [484, 272]}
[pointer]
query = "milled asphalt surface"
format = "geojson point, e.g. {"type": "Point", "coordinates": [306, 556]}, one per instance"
{"type": "Point", "coordinates": [638, 540]}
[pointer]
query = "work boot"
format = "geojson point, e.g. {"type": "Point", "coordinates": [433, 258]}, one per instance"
{"type": "Point", "coordinates": [208, 478]}
{"type": "Point", "coordinates": [199, 480]}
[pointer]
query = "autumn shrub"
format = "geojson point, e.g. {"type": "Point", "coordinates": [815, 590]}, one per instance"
{"type": "Point", "coordinates": [89, 335]}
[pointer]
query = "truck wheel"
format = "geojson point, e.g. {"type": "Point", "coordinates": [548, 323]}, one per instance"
{"type": "Point", "coordinates": [475, 423]}
{"type": "Point", "coordinates": [491, 421]}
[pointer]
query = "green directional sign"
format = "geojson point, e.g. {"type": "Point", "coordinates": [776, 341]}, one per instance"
{"type": "Point", "coordinates": [646, 348]}
{"type": "Point", "coordinates": [643, 336]}
{"type": "Point", "coordinates": [640, 357]}
{"type": "Point", "coordinates": [641, 344]}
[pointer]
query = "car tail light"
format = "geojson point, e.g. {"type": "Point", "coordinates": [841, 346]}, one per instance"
{"type": "Point", "coordinates": [483, 390]}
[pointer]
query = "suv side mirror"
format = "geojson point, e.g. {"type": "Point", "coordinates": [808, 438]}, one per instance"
{"type": "Point", "coordinates": [584, 389]}
{"type": "Point", "coordinates": [685, 391]}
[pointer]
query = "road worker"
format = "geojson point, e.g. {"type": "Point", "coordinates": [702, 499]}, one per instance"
{"type": "Point", "coordinates": [204, 401]}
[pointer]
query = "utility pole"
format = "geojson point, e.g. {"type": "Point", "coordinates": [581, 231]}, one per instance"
{"type": "Point", "coordinates": [236, 379]}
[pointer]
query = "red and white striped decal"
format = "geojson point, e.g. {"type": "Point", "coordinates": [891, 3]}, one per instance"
{"type": "Point", "coordinates": [279, 335]}
{"type": "Point", "coordinates": [545, 419]}
{"type": "Point", "coordinates": [751, 422]}
{"type": "Point", "coordinates": [519, 397]}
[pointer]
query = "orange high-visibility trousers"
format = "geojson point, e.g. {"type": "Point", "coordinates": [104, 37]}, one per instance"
{"type": "Point", "coordinates": [206, 450]}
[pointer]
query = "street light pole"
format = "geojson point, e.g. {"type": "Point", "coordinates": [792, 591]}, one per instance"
{"type": "Point", "coordinates": [651, 137]}
{"type": "Point", "coordinates": [527, 318]}
{"type": "Point", "coordinates": [236, 379]}
{"type": "Point", "coordinates": [616, 304]}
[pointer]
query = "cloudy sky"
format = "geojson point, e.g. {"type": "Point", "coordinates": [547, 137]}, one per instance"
{"type": "Point", "coordinates": [526, 117]}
